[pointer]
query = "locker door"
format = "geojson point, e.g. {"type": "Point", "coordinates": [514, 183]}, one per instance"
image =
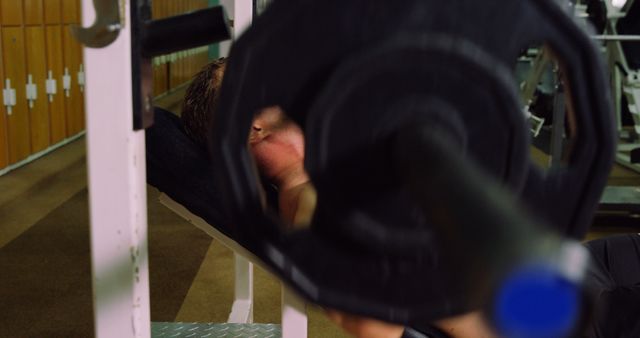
{"type": "Point", "coordinates": [70, 11]}
{"type": "Point", "coordinates": [74, 102]}
{"type": "Point", "coordinates": [156, 9]}
{"type": "Point", "coordinates": [33, 12]}
{"type": "Point", "coordinates": [55, 69]}
{"type": "Point", "coordinates": [4, 151]}
{"type": "Point", "coordinates": [11, 12]}
{"type": "Point", "coordinates": [37, 69]}
{"type": "Point", "coordinates": [14, 69]}
{"type": "Point", "coordinates": [53, 11]}
{"type": "Point", "coordinates": [159, 79]}
{"type": "Point", "coordinates": [79, 87]}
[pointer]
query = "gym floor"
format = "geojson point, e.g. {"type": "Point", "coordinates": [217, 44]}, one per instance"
{"type": "Point", "coordinates": [45, 272]}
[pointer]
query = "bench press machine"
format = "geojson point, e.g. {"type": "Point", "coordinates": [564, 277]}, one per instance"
{"type": "Point", "coordinates": [363, 243]}
{"type": "Point", "coordinates": [118, 185]}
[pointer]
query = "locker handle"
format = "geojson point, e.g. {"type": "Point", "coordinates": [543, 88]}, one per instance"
{"type": "Point", "coordinates": [9, 97]}
{"type": "Point", "coordinates": [31, 91]}
{"type": "Point", "coordinates": [105, 28]}
{"type": "Point", "coordinates": [51, 86]}
{"type": "Point", "coordinates": [81, 78]}
{"type": "Point", "coordinates": [66, 82]}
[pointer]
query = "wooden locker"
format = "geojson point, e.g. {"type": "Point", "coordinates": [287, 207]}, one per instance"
{"type": "Point", "coordinates": [179, 70]}
{"type": "Point", "coordinates": [19, 139]}
{"type": "Point", "coordinates": [80, 58]}
{"type": "Point", "coordinates": [160, 79]}
{"type": "Point", "coordinates": [154, 9]}
{"type": "Point", "coordinates": [186, 6]}
{"type": "Point", "coordinates": [156, 80]}
{"type": "Point", "coordinates": [172, 73]}
{"type": "Point", "coordinates": [173, 7]}
{"type": "Point", "coordinates": [11, 12]}
{"type": "Point", "coordinates": [195, 64]}
{"type": "Point", "coordinates": [190, 62]}
{"type": "Point", "coordinates": [70, 11]}
{"type": "Point", "coordinates": [74, 102]}
{"type": "Point", "coordinates": [197, 61]}
{"type": "Point", "coordinates": [36, 72]}
{"type": "Point", "coordinates": [169, 5]}
{"type": "Point", "coordinates": [55, 65]}
{"type": "Point", "coordinates": [176, 71]}
{"type": "Point", "coordinates": [33, 12]}
{"type": "Point", "coordinates": [53, 11]}
{"type": "Point", "coordinates": [203, 59]}
{"type": "Point", "coordinates": [4, 150]}
{"type": "Point", "coordinates": [157, 9]}
{"type": "Point", "coordinates": [166, 8]}
{"type": "Point", "coordinates": [164, 79]}
{"type": "Point", "coordinates": [185, 67]}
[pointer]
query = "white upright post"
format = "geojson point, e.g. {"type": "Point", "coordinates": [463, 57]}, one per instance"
{"type": "Point", "coordinates": [294, 315]}
{"type": "Point", "coordinates": [242, 309]}
{"type": "Point", "coordinates": [117, 190]}
{"type": "Point", "coordinates": [241, 12]}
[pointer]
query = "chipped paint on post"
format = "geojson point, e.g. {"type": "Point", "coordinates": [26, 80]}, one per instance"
{"type": "Point", "coordinates": [117, 190]}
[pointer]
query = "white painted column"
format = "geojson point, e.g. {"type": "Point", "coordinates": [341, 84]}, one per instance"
{"type": "Point", "coordinates": [294, 314]}
{"type": "Point", "coordinates": [117, 191]}
{"type": "Point", "coordinates": [242, 308]}
{"type": "Point", "coordinates": [241, 12]}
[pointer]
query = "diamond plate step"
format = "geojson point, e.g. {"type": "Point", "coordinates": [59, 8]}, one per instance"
{"type": "Point", "coordinates": [209, 330]}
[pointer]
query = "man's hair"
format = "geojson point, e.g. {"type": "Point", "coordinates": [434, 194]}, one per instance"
{"type": "Point", "coordinates": [201, 100]}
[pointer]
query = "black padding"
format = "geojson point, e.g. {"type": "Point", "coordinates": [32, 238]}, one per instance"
{"type": "Point", "coordinates": [620, 257]}
{"type": "Point", "coordinates": [182, 170]}
{"type": "Point", "coordinates": [615, 286]}
{"type": "Point", "coordinates": [292, 55]}
{"type": "Point", "coordinates": [630, 25]}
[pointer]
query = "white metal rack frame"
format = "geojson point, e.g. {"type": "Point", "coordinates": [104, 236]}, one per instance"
{"type": "Point", "coordinates": [118, 201]}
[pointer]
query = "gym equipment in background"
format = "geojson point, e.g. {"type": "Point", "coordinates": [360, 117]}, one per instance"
{"type": "Point", "coordinates": [614, 26]}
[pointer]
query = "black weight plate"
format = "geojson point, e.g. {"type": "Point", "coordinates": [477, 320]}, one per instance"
{"type": "Point", "coordinates": [440, 81]}
{"type": "Point", "coordinates": [630, 25]}
{"type": "Point", "coordinates": [287, 58]}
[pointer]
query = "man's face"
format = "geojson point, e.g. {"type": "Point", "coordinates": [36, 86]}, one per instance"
{"type": "Point", "coordinates": [276, 142]}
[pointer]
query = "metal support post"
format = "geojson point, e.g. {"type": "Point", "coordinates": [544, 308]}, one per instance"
{"type": "Point", "coordinates": [117, 189]}
{"type": "Point", "coordinates": [241, 13]}
{"type": "Point", "coordinates": [557, 131]}
{"type": "Point", "coordinates": [242, 309]}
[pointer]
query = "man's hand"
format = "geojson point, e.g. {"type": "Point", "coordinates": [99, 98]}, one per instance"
{"type": "Point", "coordinates": [277, 145]}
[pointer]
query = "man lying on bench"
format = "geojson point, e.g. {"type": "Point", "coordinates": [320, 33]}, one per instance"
{"type": "Point", "coordinates": [277, 145]}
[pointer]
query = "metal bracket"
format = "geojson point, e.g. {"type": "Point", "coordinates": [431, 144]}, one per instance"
{"type": "Point", "coordinates": [105, 28]}
{"type": "Point", "coordinates": [66, 82]}
{"type": "Point", "coordinates": [9, 97]}
{"type": "Point", "coordinates": [51, 86]}
{"type": "Point", "coordinates": [32, 91]}
{"type": "Point", "coordinates": [81, 78]}
{"type": "Point", "coordinates": [149, 38]}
